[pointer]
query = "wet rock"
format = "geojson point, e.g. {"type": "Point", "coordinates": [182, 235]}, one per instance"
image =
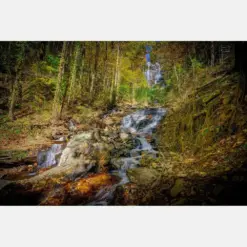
{"type": "Point", "coordinates": [142, 175]}
{"type": "Point", "coordinates": [82, 190]}
{"type": "Point", "coordinates": [75, 155]}
{"type": "Point", "coordinates": [135, 152]}
{"type": "Point", "coordinates": [177, 188]}
{"type": "Point", "coordinates": [76, 150]}
{"type": "Point", "coordinates": [124, 163]}
{"type": "Point", "coordinates": [120, 152]}
{"type": "Point", "coordinates": [124, 136]}
{"type": "Point", "coordinates": [80, 156]}
{"type": "Point", "coordinates": [71, 126]}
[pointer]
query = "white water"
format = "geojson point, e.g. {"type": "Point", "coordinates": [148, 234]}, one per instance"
{"type": "Point", "coordinates": [49, 157]}
{"type": "Point", "coordinates": [142, 124]}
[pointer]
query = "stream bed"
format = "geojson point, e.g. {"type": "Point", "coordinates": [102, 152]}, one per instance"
{"type": "Point", "coordinates": [140, 125]}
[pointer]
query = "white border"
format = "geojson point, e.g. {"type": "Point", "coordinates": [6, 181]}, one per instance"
{"type": "Point", "coordinates": [123, 20]}
{"type": "Point", "coordinates": [123, 226]}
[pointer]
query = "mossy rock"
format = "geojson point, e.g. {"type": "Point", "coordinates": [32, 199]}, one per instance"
{"type": "Point", "coordinates": [178, 187]}
{"type": "Point", "coordinates": [142, 175]}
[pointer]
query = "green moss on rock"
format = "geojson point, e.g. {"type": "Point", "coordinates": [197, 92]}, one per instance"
{"type": "Point", "coordinates": [178, 187]}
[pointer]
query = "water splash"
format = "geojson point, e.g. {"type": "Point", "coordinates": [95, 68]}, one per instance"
{"type": "Point", "coordinates": [50, 157]}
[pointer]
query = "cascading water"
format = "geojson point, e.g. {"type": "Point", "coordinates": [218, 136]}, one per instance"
{"type": "Point", "coordinates": [153, 73]}
{"type": "Point", "coordinates": [140, 124]}
{"type": "Point", "coordinates": [50, 157]}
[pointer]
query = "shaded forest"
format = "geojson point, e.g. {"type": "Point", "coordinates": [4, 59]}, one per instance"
{"type": "Point", "coordinates": [80, 125]}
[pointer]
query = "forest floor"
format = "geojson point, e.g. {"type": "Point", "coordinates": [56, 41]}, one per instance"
{"type": "Point", "coordinates": [34, 131]}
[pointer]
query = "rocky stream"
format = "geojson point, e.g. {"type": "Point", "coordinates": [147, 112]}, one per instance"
{"type": "Point", "coordinates": [88, 169]}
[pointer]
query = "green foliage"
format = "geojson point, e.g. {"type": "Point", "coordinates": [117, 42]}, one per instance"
{"type": "Point", "coordinates": [168, 82]}
{"type": "Point", "coordinates": [125, 92]}
{"type": "Point", "coordinates": [52, 61]}
{"type": "Point", "coordinates": [195, 63]}
{"type": "Point", "coordinates": [39, 91]}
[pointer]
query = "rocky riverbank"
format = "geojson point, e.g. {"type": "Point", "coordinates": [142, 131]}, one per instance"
{"type": "Point", "coordinates": [88, 156]}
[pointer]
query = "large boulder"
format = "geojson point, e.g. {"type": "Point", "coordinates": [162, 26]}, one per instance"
{"type": "Point", "coordinates": [142, 175]}
{"type": "Point", "coordinates": [76, 160]}
{"type": "Point", "coordinates": [77, 150]}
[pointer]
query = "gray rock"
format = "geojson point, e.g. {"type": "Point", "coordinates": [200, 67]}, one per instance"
{"type": "Point", "coordinates": [124, 136]}
{"type": "Point", "coordinates": [77, 149]}
{"type": "Point", "coordinates": [71, 126]}
{"type": "Point", "coordinates": [125, 163]}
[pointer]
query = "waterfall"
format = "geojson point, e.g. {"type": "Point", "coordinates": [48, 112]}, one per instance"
{"type": "Point", "coordinates": [142, 124]}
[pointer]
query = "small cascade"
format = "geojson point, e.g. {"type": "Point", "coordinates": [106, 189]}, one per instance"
{"type": "Point", "coordinates": [50, 157]}
{"type": "Point", "coordinates": [140, 124]}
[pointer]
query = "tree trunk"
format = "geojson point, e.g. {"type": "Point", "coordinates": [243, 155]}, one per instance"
{"type": "Point", "coordinates": [19, 93]}
{"type": "Point", "coordinates": [17, 87]}
{"type": "Point", "coordinates": [112, 89]}
{"type": "Point", "coordinates": [47, 49]}
{"type": "Point", "coordinates": [94, 74]}
{"type": "Point", "coordinates": [83, 53]}
{"type": "Point", "coordinates": [12, 100]}
{"type": "Point", "coordinates": [116, 76]}
{"type": "Point", "coordinates": [97, 50]}
{"type": "Point", "coordinates": [74, 72]}
{"type": "Point", "coordinates": [57, 97]}
{"type": "Point", "coordinates": [105, 68]}
{"type": "Point", "coordinates": [212, 54]}
{"type": "Point", "coordinates": [241, 64]}
{"type": "Point", "coordinates": [132, 93]}
{"type": "Point", "coordinates": [92, 85]}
